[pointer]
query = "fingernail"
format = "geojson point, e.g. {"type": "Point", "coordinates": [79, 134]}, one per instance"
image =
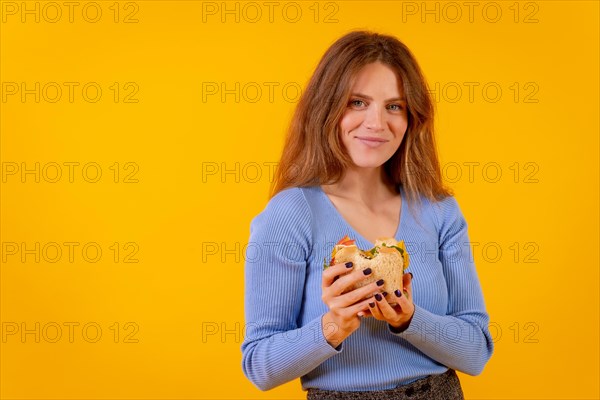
{"type": "Point", "coordinates": [371, 305]}
{"type": "Point", "coordinates": [378, 297]}
{"type": "Point", "coordinates": [349, 264]}
{"type": "Point", "coordinates": [398, 293]}
{"type": "Point", "coordinates": [411, 276]}
{"type": "Point", "coordinates": [380, 282]}
{"type": "Point", "coordinates": [367, 271]}
{"type": "Point", "coordinates": [384, 294]}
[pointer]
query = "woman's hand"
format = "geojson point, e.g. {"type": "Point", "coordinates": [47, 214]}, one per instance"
{"type": "Point", "coordinates": [342, 318]}
{"type": "Point", "coordinates": [398, 316]}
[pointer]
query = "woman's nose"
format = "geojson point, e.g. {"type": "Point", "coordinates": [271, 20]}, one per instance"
{"type": "Point", "coordinates": [374, 119]}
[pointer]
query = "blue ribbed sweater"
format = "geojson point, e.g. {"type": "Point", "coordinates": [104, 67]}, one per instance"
{"type": "Point", "coordinates": [283, 337]}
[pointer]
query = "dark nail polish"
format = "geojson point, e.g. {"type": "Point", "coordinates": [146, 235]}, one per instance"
{"type": "Point", "coordinates": [411, 276]}
{"type": "Point", "coordinates": [380, 282]}
{"type": "Point", "coordinates": [398, 293]}
{"type": "Point", "coordinates": [349, 264]}
{"type": "Point", "coordinates": [371, 305]}
{"type": "Point", "coordinates": [378, 297]}
{"type": "Point", "coordinates": [367, 271]}
{"type": "Point", "coordinates": [384, 294]}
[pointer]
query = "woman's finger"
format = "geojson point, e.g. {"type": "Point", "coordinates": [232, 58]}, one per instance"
{"type": "Point", "coordinates": [385, 308]}
{"type": "Point", "coordinates": [403, 299]}
{"type": "Point", "coordinates": [407, 283]}
{"type": "Point", "coordinates": [355, 309]}
{"type": "Point", "coordinates": [347, 280]}
{"type": "Point", "coordinates": [331, 274]}
{"type": "Point", "coordinates": [374, 310]}
{"type": "Point", "coordinates": [360, 293]}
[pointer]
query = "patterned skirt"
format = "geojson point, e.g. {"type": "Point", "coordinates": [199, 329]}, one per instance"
{"type": "Point", "coordinates": [444, 386]}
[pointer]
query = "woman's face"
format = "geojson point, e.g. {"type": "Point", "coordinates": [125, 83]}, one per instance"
{"type": "Point", "coordinates": [375, 118]}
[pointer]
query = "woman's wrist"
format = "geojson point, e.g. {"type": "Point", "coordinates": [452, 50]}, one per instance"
{"type": "Point", "coordinates": [402, 327]}
{"type": "Point", "coordinates": [332, 331]}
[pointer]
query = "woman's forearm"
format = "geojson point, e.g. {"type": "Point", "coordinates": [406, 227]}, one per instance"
{"type": "Point", "coordinates": [280, 357]}
{"type": "Point", "coordinates": [459, 342]}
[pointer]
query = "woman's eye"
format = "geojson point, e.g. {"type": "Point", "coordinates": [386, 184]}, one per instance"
{"type": "Point", "coordinates": [360, 103]}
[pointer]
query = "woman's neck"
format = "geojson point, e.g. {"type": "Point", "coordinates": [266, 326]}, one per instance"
{"type": "Point", "coordinates": [369, 186]}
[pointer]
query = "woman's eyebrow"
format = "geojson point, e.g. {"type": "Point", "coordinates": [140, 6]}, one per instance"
{"type": "Point", "coordinates": [370, 98]}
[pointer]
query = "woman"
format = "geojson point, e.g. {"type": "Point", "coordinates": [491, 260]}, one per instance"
{"type": "Point", "coordinates": [360, 160]}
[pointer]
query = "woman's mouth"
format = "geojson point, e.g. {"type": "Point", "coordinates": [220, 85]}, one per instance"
{"type": "Point", "coordinates": [371, 142]}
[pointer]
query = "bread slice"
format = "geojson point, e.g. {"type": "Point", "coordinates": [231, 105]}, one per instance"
{"type": "Point", "coordinates": [388, 260]}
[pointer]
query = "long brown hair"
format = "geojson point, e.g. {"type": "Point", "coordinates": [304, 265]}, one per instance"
{"type": "Point", "coordinates": [313, 153]}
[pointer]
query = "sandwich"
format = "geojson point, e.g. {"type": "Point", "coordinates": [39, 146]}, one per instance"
{"type": "Point", "coordinates": [388, 260]}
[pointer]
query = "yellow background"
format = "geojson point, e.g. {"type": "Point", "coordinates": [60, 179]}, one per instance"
{"type": "Point", "coordinates": [179, 308]}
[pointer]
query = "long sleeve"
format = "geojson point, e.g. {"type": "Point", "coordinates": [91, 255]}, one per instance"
{"type": "Point", "coordinates": [275, 349]}
{"type": "Point", "coordinates": [460, 339]}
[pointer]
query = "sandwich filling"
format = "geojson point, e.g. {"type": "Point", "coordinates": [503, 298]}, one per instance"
{"type": "Point", "coordinates": [381, 246]}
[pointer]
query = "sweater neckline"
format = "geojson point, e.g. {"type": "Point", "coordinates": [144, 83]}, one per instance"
{"type": "Point", "coordinates": [351, 228]}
